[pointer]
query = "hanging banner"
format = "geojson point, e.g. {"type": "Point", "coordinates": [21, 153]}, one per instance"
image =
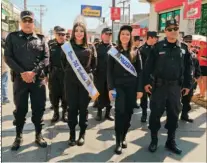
{"type": "Point", "coordinates": [192, 9]}
{"type": "Point", "coordinates": [115, 13]}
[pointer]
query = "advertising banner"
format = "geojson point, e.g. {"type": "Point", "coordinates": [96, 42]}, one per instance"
{"type": "Point", "coordinates": [91, 11]}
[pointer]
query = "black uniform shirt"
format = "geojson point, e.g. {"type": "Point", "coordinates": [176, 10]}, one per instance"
{"type": "Point", "coordinates": [102, 58]}
{"type": "Point", "coordinates": [169, 62]}
{"type": "Point", "coordinates": [145, 51]}
{"type": "Point", "coordinates": [55, 54]}
{"type": "Point", "coordinates": [26, 52]}
{"type": "Point", "coordinates": [117, 75]}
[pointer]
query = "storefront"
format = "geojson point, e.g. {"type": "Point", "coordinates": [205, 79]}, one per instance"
{"type": "Point", "coordinates": [164, 10]}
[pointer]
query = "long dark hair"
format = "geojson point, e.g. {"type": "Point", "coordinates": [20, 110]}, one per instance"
{"type": "Point", "coordinates": [79, 24]}
{"type": "Point", "coordinates": [130, 45]}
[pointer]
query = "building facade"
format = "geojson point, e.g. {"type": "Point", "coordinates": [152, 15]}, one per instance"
{"type": "Point", "coordinates": [164, 10]}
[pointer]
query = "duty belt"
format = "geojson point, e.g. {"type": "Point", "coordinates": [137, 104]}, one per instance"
{"type": "Point", "coordinates": [160, 82]}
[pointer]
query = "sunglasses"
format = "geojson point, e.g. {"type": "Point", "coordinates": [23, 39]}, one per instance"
{"type": "Point", "coordinates": [171, 29]}
{"type": "Point", "coordinates": [188, 42]}
{"type": "Point", "coordinates": [27, 21]}
{"type": "Point", "coordinates": [61, 34]}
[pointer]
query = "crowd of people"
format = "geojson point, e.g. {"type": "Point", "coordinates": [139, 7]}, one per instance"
{"type": "Point", "coordinates": [164, 72]}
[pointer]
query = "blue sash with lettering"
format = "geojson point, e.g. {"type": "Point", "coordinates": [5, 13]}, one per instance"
{"type": "Point", "coordinates": [123, 61]}
{"type": "Point", "coordinates": [79, 70]}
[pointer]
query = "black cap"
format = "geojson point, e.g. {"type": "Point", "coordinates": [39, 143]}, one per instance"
{"type": "Point", "coordinates": [152, 34]}
{"type": "Point", "coordinates": [187, 38]}
{"type": "Point", "coordinates": [59, 29]}
{"type": "Point", "coordinates": [137, 38]}
{"type": "Point", "coordinates": [171, 22]}
{"type": "Point", "coordinates": [126, 27]}
{"type": "Point", "coordinates": [56, 27]}
{"type": "Point", "coordinates": [106, 30]}
{"type": "Point", "coordinates": [26, 14]}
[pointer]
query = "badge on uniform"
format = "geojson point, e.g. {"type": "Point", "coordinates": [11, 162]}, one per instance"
{"type": "Point", "coordinates": [183, 51]}
{"type": "Point", "coordinates": [161, 53]}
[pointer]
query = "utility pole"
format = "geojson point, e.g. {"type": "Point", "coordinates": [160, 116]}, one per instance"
{"type": "Point", "coordinates": [129, 12]}
{"type": "Point", "coordinates": [123, 11]}
{"type": "Point", "coordinates": [41, 9]}
{"type": "Point", "coordinates": [113, 5]}
{"type": "Point", "coordinates": [25, 4]}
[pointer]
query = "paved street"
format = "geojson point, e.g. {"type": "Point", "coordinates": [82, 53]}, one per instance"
{"type": "Point", "coordinates": [100, 140]}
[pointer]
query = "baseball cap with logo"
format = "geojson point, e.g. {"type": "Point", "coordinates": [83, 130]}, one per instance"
{"type": "Point", "coordinates": [106, 30]}
{"type": "Point", "coordinates": [26, 14]}
{"type": "Point", "coordinates": [60, 30]}
{"type": "Point", "coordinates": [171, 22]}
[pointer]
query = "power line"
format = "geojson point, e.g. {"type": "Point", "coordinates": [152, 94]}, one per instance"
{"type": "Point", "coordinates": [41, 9]}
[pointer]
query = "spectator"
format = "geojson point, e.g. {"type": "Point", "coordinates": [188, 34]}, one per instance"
{"type": "Point", "coordinates": [4, 76]}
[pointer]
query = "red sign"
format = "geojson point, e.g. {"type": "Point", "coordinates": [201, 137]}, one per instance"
{"type": "Point", "coordinates": [192, 9]}
{"type": "Point", "coordinates": [115, 13]}
{"type": "Point", "coordinates": [167, 4]}
{"type": "Point", "coordinates": [139, 32]}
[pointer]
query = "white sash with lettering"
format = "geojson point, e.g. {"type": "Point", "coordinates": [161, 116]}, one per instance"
{"type": "Point", "coordinates": [123, 61]}
{"type": "Point", "coordinates": [79, 70]}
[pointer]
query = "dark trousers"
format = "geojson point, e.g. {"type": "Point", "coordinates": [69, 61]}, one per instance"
{"type": "Point", "coordinates": [144, 102]}
{"type": "Point", "coordinates": [124, 105]}
{"type": "Point", "coordinates": [37, 94]}
{"type": "Point", "coordinates": [103, 99]}
{"type": "Point", "coordinates": [165, 97]}
{"type": "Point", "coordinates": [186, 103]}
{"type": "Point", "coordinates": [78, 100]}
{"type": "Point", "coordinates": [56, 87]}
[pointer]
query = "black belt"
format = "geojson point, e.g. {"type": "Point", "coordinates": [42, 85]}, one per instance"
{"type": "Point", "coordinates": [160, 81]}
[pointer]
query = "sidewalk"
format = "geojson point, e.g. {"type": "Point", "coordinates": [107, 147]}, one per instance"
{"type": "Point", "coordinates": [100, 140]}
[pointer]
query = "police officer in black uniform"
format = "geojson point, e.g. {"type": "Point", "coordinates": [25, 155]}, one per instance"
{"type": "Point", "coordinates": [128, 86]}
{"type": "Point", "coordinates": [56, 75]}
{"type": "Point", "coordinates": [145, 52]}
{"type": "Point", "coordinates": [100, 75]}
{"type": "Point", "coordinates": [136, 45]}
{"type": "Point", "coordinates": [47, 69]}
{"type": "Point", "coordinates": [171, 66]}
{"type": "Point", "coordinates": [26, 53]}
{"type": "Point", "coordinates": [196, 74]}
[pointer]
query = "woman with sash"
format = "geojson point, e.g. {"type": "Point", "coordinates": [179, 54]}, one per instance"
{"type": "Point", "coordinates": [124, 76]}
{"type": "Point", "coordinates": [76, 94]}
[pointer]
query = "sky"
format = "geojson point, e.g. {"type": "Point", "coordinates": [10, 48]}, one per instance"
{"type": "Point", "coordinates": [64, 12]}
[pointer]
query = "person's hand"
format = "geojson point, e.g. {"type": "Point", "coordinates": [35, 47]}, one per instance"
{"type": "Point", "coordinates": [139, 95]}
{"type": "Point", "coordinates": [196, 80]}
{"type": "Point", "coordinates": [28, 76]}
{"type": "Point", "coordinates": [24, 76]}
{"type": "Point", "coordinates": [185, 91]}
{"type": "Point", "coordinates": [110, 95]}
{"type": "Point", "coordinates": [46, 80]}
{"type": "Point", "coordinates": [148, 88]}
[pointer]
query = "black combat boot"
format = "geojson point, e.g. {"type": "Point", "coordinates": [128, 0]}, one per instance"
{"type": "Point", "coordinates": [72, 140]}
{"type": "Point", "coordinates": [56, 115]}
{"type": "Point", "coordinates": [185, 117]}
{"type": "Point", "coordinates": [39, 140]}
{"type": "Point", "coordinates": [108, 114]}
{"type": "Point", "coordinates": [171, 144]}
{"type": "Point", "coordinates": [99, 115]}
{"type": "Point", "coordinates": [17, 142]}
{"type": "Point", "coordinates": [144, 116]}
{"type": "Point", "coordinates": [81, 139]}
{"type": "Point", "coordinates": [154, 140]}
{"type": "Point", "coordinates": [64, 116]}
{"type": "Point", "coordinates": [118, 148]}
